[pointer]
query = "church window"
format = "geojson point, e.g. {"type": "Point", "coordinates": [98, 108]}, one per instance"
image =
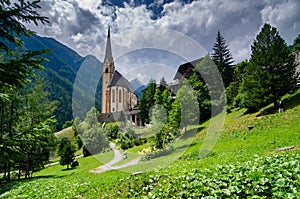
{"type": "Point", "coordinates": [106, 70]}
{"type": "Point", "coordinates": [120, 96]}
{"type": "Point", "coordinates": [113, 95]}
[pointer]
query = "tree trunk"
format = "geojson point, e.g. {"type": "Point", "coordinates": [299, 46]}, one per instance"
{"type": "Point", "coordinates": [19, 173]}
{"type": "Point", "coordinates": [8, 171]}
{"type": "Point", "coordinates": [10, 135]}
{"type": "Point", "coordinates": [1, 120]}
{"type": "Point", "coordinates": [275, 104]}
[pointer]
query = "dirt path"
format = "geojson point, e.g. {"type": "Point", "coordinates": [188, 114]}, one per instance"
{"type": "Point", "coordinates": [117, 158]}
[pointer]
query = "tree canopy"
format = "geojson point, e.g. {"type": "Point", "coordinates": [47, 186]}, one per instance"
{"type": "Point", "coordinates": [271, 70]}
{"type": "Point", "coordinates": [17, 66]}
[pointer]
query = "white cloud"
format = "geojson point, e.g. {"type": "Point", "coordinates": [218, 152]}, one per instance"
{"type": "Point", "coordinates": [82, 24]}
{"type": "Point", "coordinates": [284, 16]}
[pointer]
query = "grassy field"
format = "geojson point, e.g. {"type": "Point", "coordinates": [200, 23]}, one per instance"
{"type": "Point", "coordinates": [244, 163]}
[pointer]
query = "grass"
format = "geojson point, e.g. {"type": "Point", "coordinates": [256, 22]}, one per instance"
{"type": "Point", "coordinates": [67, 132]}
{"type": "Point", "coordinates": [235, 145]}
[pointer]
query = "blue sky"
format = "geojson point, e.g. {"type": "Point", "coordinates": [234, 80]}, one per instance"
{"type": "Point", "coordinates": [146, 34]}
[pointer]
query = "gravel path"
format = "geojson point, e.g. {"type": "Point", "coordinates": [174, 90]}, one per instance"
{"type": "Point", "coordinates": [117, 158]}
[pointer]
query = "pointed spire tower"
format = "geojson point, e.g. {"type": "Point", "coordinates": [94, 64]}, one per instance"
{"type": "Point", "coordinates": [108, 69]}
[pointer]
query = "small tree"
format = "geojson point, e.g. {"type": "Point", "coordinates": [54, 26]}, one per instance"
{"type": "Point", "coordinates": [66, 151]}
{"type": "Point", "coordinates": [91, 117]}
{"type": "Point", "coordinates": [94, 140]}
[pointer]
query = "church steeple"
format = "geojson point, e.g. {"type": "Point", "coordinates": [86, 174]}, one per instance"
{"type": "Point", "coordinates": [108, 53]}
{"type": "Point", "coordinates": [108, 69]}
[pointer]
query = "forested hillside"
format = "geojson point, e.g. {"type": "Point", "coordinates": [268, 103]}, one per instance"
{"type": "Point", "coordinates": [60, 73]}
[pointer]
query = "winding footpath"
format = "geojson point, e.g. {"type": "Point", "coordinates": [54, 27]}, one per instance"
{"type": "Point", "coordinates": [117, 158]}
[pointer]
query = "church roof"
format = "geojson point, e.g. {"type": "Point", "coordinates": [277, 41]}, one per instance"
{"type": "Point", "coordinates": [119, 80]}
{"type": "Point", "coordinates": [108, 52]}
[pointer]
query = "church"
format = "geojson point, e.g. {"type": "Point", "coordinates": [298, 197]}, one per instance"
{"type": "Point", "coordinates": [117, 93]}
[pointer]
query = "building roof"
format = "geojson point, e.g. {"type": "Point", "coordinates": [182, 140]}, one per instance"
{"type": "Point", "coordinates": [119, 80]}
{"type": "Point", "coordinates": [186, 70]}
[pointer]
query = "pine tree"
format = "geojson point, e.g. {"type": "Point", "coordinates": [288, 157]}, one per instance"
{"type": "Point", "coordinates": [223, 59]}
{"type": "Point", "coordinates": [271, 70]}
{"type": "Point", "coordinates": [15, 67]}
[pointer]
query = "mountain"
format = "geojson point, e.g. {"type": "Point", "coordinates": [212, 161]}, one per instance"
{"type": "Point", "coordinates": [138, 87]}
{"type": "Point", "coordinates": [65, 72]}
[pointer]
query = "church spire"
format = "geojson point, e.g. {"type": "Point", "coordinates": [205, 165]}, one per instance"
{"type": "Point", "coordinates": [108, 53]}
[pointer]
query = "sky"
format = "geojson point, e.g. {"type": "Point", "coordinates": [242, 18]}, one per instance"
{"type": "Point", "coordinates": [151, 38]}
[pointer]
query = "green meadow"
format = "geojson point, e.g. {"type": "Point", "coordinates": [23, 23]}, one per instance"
{"type": "Point", "coordinates": [243, 163]}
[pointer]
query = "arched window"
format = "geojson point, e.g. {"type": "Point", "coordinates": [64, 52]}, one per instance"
{"type": "Point", "coordinates": [106, 70]}
{"type": "Point", "coordinates": [113, 95]}
{"type": "Point", "coordinates": [120, 96]}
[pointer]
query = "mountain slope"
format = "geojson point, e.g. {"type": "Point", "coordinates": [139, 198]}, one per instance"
{"type": "Point", "coordinates": [138, 87]}
{"type": "Point", "coordinates": [60, 74]}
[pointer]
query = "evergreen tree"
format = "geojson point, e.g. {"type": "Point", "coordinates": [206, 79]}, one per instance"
{"type": "Point", "coordinates": [27, 129]}
{"type": "Point", "coordinates": [174, 116]}
{"type": "Point", "coordinates": [15, 67]}
{"type": "Point", "coordinates": [271, 70]}
{"type": "Point", "coordinates": [296, 45]}
{"type": "Point", "coordinates": [202, 93]}
{"type": "Point", "coordinates": [223, 59]}
{"type": "Point", "coordinates": [232, 91]}
{"type": "Point", "coordinates": [166, 99]}
{"type": "Point", "coordinates": [208, 87]}
{"type": "Point", "coordinates": [66, 151]}
{"type": "Point", "coordinates": [158, 98]}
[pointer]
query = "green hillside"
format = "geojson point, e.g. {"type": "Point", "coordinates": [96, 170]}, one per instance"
{"type": "Point", "coordinates": [243, 163]}
{"type": "Point", "coordinates": [63, 68]}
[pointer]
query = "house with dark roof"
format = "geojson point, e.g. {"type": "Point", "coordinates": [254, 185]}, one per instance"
{"type": "Point", "coordinates": [117, 93]}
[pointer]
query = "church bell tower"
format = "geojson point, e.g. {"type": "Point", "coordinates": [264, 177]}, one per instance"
{"type": "Point", "coordinates": [108, 69]}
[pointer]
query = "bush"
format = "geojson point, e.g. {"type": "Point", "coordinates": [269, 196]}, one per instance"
{"type": "Point", "coordinates": [112, 132]}
{"type": "Point", "coordinates": [125, 140]}
{"type": "Point", "coordinates": [68, 124]}
{"type": "Point", "coordinates": [155, 153]}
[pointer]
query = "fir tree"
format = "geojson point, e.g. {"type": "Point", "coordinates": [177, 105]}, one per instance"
{"type": "Point", "coordinates": [15, 67]}
{"type": "Point", "coordinates": [271, 70]}
{"type": "Point", "coordinates": [223, 59]}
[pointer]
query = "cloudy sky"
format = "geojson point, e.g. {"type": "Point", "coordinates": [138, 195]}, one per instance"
{"type": "Point", "coordinates": [162, 34]}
